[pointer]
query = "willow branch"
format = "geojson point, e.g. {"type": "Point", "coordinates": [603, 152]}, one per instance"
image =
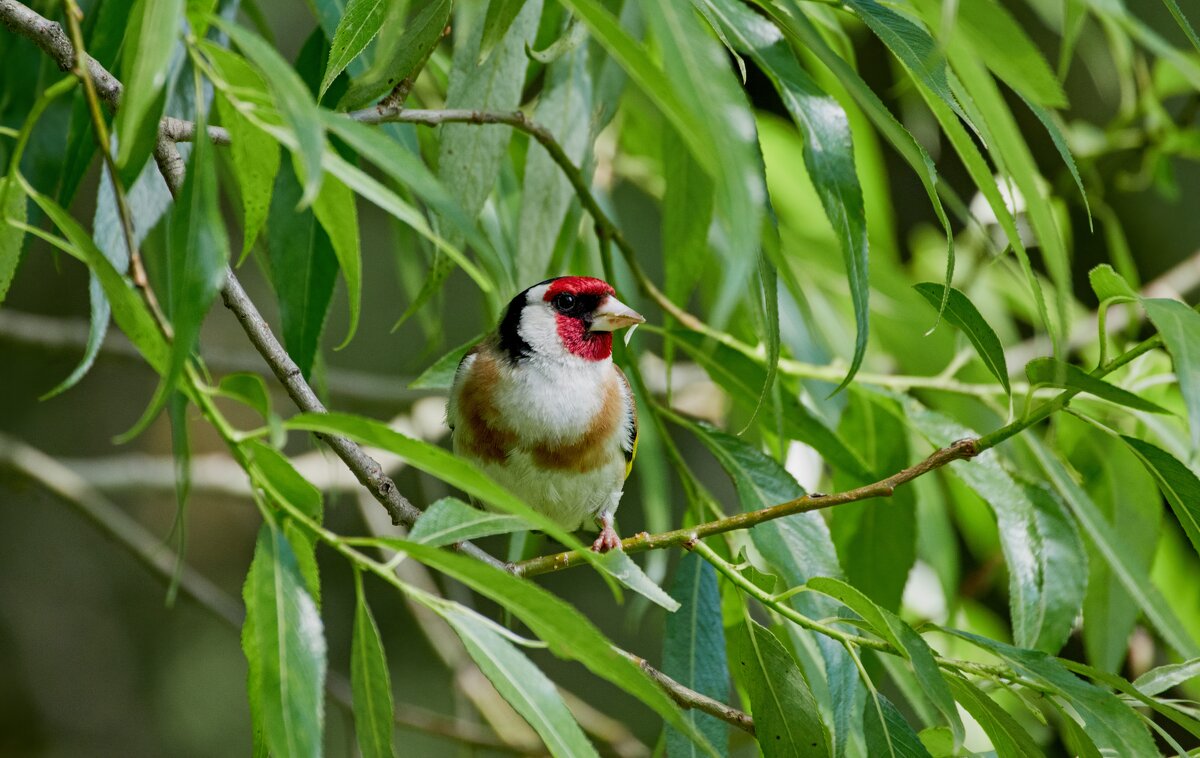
{"type": "Point", "coordinates": [160, 560]}
{"type": "Point", "coordinates": [964, 449]}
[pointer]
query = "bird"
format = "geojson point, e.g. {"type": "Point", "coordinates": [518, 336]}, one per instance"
{"type": "Point", "coordinates": [540, 406]}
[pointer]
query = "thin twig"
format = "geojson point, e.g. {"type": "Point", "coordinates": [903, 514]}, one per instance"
{"type": "Point", "coordinates": [160, 560]}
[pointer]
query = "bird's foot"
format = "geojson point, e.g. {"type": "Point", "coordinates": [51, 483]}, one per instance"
{"type": "Point", "coordinates": [608, 539]}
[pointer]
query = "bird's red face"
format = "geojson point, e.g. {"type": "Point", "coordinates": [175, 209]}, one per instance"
{"type": "Point", "coordinates": [586, 312]}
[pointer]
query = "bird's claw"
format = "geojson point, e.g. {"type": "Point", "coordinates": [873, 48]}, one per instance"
{"type": "Point", "coordinates": [608, 539]}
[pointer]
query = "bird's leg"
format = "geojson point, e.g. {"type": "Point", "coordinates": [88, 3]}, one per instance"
{"type": "Point", "coordinates": [608, 537]}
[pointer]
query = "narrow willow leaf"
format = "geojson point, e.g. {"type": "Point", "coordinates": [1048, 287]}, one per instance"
{"type": "Point", "coordinates": [1184, 719]}
{"type": "Point", "coordinates": [743, 379]}
{"type": "Point", "coordinates": [618, 565]}
{"type": "Point", "coordinates": [568, 632]}
{"type": "Point", "coordinates": [686, 217]}
{"type": "Point", "coordinates": [12, 208]}
{"type": "Point", "coordinates": [1179, 326]}
{"type": "Point", "coordinates": [1064, 567]}
{"type": "Point", "coordinates": [828, 152]}
{"type": "Point", "coordinates": [500, 16]}
{"type": "Point", "coordinates": [1158, 680]}
{"type": "Point", "coordinates": [370, 683]}
{"type": "Point", "coordinates": [1184, 24]}
{"type": "Point", "coordinates": [1037, 613]}
{"type": "Point", "coordinates": [521, 683]}
{"type": "Point", "coordinates": [1109, 285]}
{"type": "Point", "coordinates": [255, 155]}
{"type": "Point", "coordinates": [155, 26]}
{"type": "Point", "coordinates": [902, 637]}
{"type": "Point", "coordinates": [1111, 724]}
{"type": "Point", "coordinates": [247, 388]}
{"type": "Point", "coordinates": [964, 316]}
{"type": "Point", "coordinates": [1177, 482]}
{"type": "Point", "coordinates": [1132, 576]}
{"type": "Point", "coordinates": [440, 463]}
{"type": "Point", "coordinates": [1050, 120]}
{"type": "Point", "coordinates": [335, 209]}
{"type": "Point", "coordinates": [303, 269]}
{"type": "Point", "coordinates": [1055, 373]}
{"type": "Point", "coordinates": [888, 733]}
{"type": "Point", "coordinates": [355, 31]}
{"type": "Point", "coordinates": [276, 475]}
{"type": "Point", "coordinates": [440, 375]}
{"type": "Point", "coordinates": [285, 649]}
{"type": "Point", "coordinates": [401, 48]}
{"type": "Point", "coordinates": [128, 308]}
{"type": "Point", "coordinates": [296, 105]}
{"type": "Point", "coordinates": [694, 651]}
{"type": "Point", "coordinates": [450, 520]}
{"type": "Point", "coordinates": [721, 119]}
{"type": "Point", "coordinates": [1008, 737]}
{"type": "Point", "coordinates": [565, 108]}
{"type": "Point", "coordinates": [786, 720]}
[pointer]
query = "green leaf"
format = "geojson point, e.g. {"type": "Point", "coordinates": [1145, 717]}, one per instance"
{"type": "Point", "coordinates": [1008, 737]}
{"type": "Point", "coordinates": [686, 218]}
{"type": "Point", "coordinates": [500, 16]}
{"type": "Point", "coordinates": [12, 208]}
{"type": "Point", "coordinates": [1108, 543]}
{"type": "Point", "coordinates": [1113, 726]}
{"type": "Point", "coordinates": [440, 375]}
{"type": "Point", "coordinates": [828, 152]}
{"type": "Point", "coordinates": [1109, 285]}
{"type": "Point", "coordinates": [1158, 680]}
{"type": "Point", "coordinates": [565, 108]}
{"type": "Point", "coordinates": [155, 27]}
{"type": "Point", "coordinates": [1041, 616]}
{"type": "Point", "coordinates": [450, 520]}
{"type": "Point", "coordinates": [128, 308]}
{"type": "Point", "coordinates": [284, 643]}
{"type": "Point", "coordinates": [254, 154]}
{"type": "Point", "coordinates": [292, 97]}
{"type": "Point", "coordinates": [1177, 482]}
{"type": "Point", "coordinates": [357, 28]}
{"type": "Point", "coordinates": [303, 269]}
{"type": "Point", "coordinates": [786, 719]}
{"type": "Point", "coordinates": [521, 683]}
{"type": "Point", "coordinates": [246, 388]}
{"type": "Point", "coordinates": [370, 682]}
{"type": "Point", "coordinates": [902, 637]}
{"type": "Point", "coordinates": [1184, 24]}
{"type": "Point", "coordinates": [335, 209]}
{"type": "Point", "coordinates": [694, 651]}
{"type": "Point", "coordinates": [890, 735]}
{"type": "Point", "coordinates": [618, 565]}
{"type": "Point", "coordinates": [1051, 121]}
{"type": "Point", "coordinates": [964, 316]}
{"type": "Point", "coordinates": [1055, 373]}
{"type": "Point", "coordinates": [401, 48]}
{"type": "Point", "coordinates": [743, 378]}
{"type": "Point", "coordinates": [1179, 326]}
{"type": "Point", "coordinates": [437, 462]}
{"type": "Point", "coordinates": [569, 634]}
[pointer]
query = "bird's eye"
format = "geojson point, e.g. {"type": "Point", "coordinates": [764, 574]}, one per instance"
{"type": "Point", "coordinates": [564, 302]}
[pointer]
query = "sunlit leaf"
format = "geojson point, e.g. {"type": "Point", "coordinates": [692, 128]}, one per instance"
{"type": "Point", "coordinates": [1053, 373]}
{"type": "Point", "coordinates": [450, 520]}
{"type": "Point", "coordinates": [155, 27]}
{"type": "Point", "coordinates": [964, 316]}
{"type": "Point", "coordinates": [1109, 285]}
{"type": "Point", "coordinates": [358, 27]}
{"type": "Point", "coordinates": [1158, 680]}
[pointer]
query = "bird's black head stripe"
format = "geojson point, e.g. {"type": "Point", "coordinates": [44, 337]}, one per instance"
{"type": "Point", "coordinates": [511, 341]}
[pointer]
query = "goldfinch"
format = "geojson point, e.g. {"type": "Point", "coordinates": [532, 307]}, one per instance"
{"type": "Point", "coordinates": [540, 406]}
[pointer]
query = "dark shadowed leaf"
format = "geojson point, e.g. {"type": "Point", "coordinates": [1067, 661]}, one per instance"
{"type": "Point", "coordinates": [355, 31]}
{"type": "Point", "coordinates": [694, 650]}
{"type": "Point", "coordinates": [786, 719]}
{"type": "Point", "coordinates": [686, 217]}
{"type": "Point", "coordinates": [247, 388]}
{"type": "Point", "coordinates": [1182, 20]}
{"type": "Point", "coordinates": [1055, 373]}
{"type": "Point", "coordinates": [890, 735]}
{"type": "Point", "coordinates": [284, 642]}
{"type": "Point", "coordinates": [370, 682]}
{"type": "Point", "coordinates": [1179, 326]}
{"type": "Point", "coordinates": [902, 637]}
{"type": "Point", "coordinates": [569, 634]}
{"type": "Point", "coordinates": [295, 104]}
{"type": "Point", "coordinates": [1177, 482]}
{"type": "Point", "coordinates": [520, 682]}
{"type": "Point", "coordinates": [1008, 737]}
{"type": "Point", "coordinates": [964, 316]}
{"type": "Point", "coordinates": [335, 209]}
{"type": "Point", "coordinates": [1053, 126]}
{"type": "Point", "coordinates": [400, 50]}
{"type": "Point", "coordinates": [450, 520]}
{"type": "Point", "coordinates": [155, 26]}
{"type": "Point", "coordinates": [828, 152]}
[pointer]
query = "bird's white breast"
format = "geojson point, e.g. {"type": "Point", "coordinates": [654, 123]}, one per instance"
{"type": "Point", "coordinates": [553, 399]}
